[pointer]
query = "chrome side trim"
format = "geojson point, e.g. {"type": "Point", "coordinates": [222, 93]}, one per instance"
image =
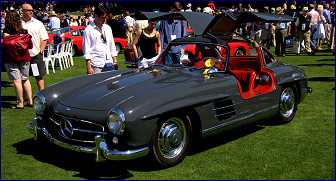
{"type": "Point", "coordinates": [216, 109]}
{"type": "Point", "coordinates": [237, 120]}
{"type": "Point", "coordinates": [101, 149]}
{"type": "Point", "coordinates": [219, 115]}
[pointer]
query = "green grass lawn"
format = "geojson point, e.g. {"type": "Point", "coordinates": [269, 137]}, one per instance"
{"type": "Point", "coordinates": [303, 149]}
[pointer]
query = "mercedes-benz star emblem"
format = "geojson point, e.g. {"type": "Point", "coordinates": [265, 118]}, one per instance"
{"type": "Point", "coordinates": [66, 128]}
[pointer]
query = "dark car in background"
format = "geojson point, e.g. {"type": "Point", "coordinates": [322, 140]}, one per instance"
{"type": "Point", "coordinates": [162, 110]}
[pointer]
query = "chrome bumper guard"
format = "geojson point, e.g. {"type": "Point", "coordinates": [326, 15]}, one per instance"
{"type": "Point", "coordinates": [101, 150]}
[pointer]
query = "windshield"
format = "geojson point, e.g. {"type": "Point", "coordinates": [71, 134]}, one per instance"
{"type": "Point", "coordinates": [61, 31]}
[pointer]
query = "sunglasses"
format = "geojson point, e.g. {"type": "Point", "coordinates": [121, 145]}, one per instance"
{"type": "Point", "coordinates": [31, 10]}
{"type": "Point", "coordinates": [103, 38]}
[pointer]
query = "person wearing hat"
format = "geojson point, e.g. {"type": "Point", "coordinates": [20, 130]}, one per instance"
{"type": "Point", "coordinates": [189, 8]}
{"type": "Point", "coordinates": [272, 10]}
{"type": "Point", "coordinates": [281, 31]}
{"type": "Point", "coordinates": [54, 22]}
{"type": "Point", "coordinates": [302, 29]}
{"type": "Point", "coordinates": [208, 10]}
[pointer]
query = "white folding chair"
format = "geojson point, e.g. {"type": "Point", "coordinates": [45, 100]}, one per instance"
{"type": "Point", "coordinates": [59, 55]}
{"type": "Point", "coordinates": [48, 58]}
{"type": "Point", "coordinates": [65, 54]}
{"type": "Point", "coordinates": [70, 52]}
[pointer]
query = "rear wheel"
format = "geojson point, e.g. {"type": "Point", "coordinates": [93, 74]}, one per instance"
{"type": "Point", "coordinates": [240, 51]}
{"type": "Point", "coordinates": [171, 140]}
{"type": "Point", "coordinates": [287, 105]}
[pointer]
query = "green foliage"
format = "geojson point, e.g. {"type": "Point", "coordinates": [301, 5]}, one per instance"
{"type": "Point", "coordinates": [303, 149]}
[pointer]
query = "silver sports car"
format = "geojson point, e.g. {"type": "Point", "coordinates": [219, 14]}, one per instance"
{"type": "Point", "coordinates": [160, 111]}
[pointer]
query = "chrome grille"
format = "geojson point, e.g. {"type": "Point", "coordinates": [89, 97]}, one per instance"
{"type": "Point", "coordinates": [76, 130]}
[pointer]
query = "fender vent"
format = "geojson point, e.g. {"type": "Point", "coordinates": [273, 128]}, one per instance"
{"type": "Point", "coordinates": [224, 109]}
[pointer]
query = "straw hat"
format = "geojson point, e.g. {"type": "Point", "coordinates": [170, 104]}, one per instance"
{"type": "Point", "coordinates": [207, 10]}
{"type": "Point", "coordinates": [52, 13]}
{"type": "Point", "coordinates": [305, 9]}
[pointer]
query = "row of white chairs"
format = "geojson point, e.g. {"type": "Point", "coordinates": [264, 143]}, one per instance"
{"type": "Point", "coordinates": [62, 53]}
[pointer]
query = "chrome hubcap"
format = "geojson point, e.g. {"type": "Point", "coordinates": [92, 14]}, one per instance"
{"type": "Point", "coordinates": [118, 49]}
{"type": "Point", "coordinates": [287, 102]}
{"type": "Point", "coordinates": [172, 137]}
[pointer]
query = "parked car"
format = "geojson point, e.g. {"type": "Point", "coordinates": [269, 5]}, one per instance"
{"type": "Point", "coordinates": [76, 33]}
{"type": "Point", "coordinates": [239, 48]}
{"type": "Point", "coordinates": [160, 111]}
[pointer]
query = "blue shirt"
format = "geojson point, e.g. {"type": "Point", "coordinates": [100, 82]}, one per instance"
{"type": "Point", "coordinates": [326, 14]}
{"type": "Point", "coordinates": [169, 30]}
{"type": "Point", "coordinates": [54, 23]}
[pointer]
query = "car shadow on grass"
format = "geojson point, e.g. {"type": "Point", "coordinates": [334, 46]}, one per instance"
{"type": "Point", "coordinates": [83, 163]}
{"type": "Point", "coordinates": [87, 168]}
{"type": "Point", "coordinates": [223, 138]}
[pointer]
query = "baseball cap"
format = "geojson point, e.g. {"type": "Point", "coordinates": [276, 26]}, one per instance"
{"type": "Point", "coordinates": [305, 9]}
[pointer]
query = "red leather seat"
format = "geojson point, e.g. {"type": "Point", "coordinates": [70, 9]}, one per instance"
{"type": "Point", "coordinates": [245, 78]}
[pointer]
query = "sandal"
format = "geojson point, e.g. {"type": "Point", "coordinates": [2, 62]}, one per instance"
{"type": "Point", "coordinates": [16, 107]}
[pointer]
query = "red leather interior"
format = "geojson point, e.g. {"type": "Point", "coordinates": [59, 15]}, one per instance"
{"type": "Point", "coordinates": [199, 64]}
{"type": "Point", "coordinates": [246, 78]}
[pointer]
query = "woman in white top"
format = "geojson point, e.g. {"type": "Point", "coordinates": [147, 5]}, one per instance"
{"type": "Point", "coordinates": [320, 27]}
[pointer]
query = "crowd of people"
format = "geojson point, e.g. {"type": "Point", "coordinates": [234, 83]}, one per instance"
{"type": "Point", "coordinates": [314, 25]}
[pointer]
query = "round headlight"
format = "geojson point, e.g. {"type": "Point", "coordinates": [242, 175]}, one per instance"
{"type": "Point", "coordinates": [116, 121]}
{"type": "Point", "coordinates": [39, 103]}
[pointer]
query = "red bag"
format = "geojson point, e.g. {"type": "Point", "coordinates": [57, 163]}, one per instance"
{"type": "Point", "coordinates": [129, 55]}
{"type": "Point", "coordinates": [16, 48]}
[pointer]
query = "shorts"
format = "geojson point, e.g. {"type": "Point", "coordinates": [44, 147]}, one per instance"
{"type": "Point", "coordinates": [146, 62]}
{"type": "Point", "coordinates": [107, 67]}
{"type": "Point", "coordinates": [18, 71]}
{"type": "Point", "coordinates": [38, 59]}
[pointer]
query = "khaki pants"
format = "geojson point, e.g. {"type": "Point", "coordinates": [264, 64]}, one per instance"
{"type": "Point", "coordinates": [332, 37]}
{"type": "Point", "coordinates": [129, 37]}
{"type": "Point", "coordinates": [327, 28]}
{"type": "Point", "coordinates": [306, 37]}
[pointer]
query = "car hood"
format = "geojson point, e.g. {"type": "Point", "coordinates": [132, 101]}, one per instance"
{"type": "Point", "coordinates": [111, 91]}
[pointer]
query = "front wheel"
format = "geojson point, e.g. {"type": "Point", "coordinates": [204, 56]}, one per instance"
{"type": "Point", "coordinates": [287, 105]}
{"type": "Point", "coordinates": [118, 47]}
{"type": "Point", "coordinates": [171, 140]}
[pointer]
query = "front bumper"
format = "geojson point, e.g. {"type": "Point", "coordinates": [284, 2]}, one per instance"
{"type": "Point", "coordinates": [101, 150]}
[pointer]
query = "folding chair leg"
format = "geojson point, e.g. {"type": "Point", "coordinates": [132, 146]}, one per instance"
{"type": "Point", "coordinates": [71, 60]}
{"type": "Point", "coordinates": [47, 66]}
{"type": "Point", "coordinates": [60, 63]}
{"type": "Point", "coordinates": [52, 62]}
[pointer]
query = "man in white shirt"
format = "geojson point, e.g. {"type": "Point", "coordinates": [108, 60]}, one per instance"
{"type": "Point", "coordinates": [130, 22]}
{"type": "Point", "coordinates": [98, 44]}
{"type": "Point", "coordinates": [39, 37]}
